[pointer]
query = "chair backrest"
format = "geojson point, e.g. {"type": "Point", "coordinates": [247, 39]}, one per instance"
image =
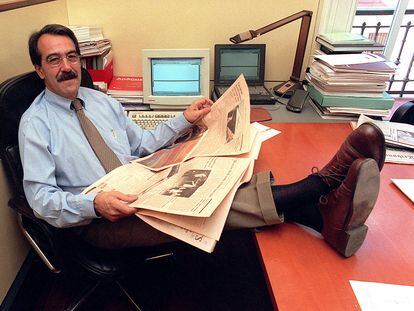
{"type": "Point", "coordinates": [404, 113]}
{"type": "Point", "coordinates": [16, 95]}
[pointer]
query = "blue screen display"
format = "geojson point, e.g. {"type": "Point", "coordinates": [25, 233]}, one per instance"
{"type": "Point", "coordinates": [175, 76]}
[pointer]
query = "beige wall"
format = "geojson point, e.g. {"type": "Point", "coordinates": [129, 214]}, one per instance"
{"type": "Point", "coordinates": [134, 25]}
{"type": "Point", "coordinates": [15, 28]}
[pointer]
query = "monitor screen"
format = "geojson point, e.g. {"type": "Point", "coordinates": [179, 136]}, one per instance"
{"type": "Point", "coordinates": [174, 78]}
{"type": "Point", "coordinates": [233, 60]}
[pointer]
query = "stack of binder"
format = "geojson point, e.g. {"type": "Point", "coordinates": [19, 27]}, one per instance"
{"type": "Point", "coordinates": [345, 86]}
{"type": "Point", "coordinates": [344, 42]}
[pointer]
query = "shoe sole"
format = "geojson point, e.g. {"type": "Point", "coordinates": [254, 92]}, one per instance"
{"type": "Point", "coordinates": [365, 195]}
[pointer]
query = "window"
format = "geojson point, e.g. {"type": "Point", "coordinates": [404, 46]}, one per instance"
{"type": "Point", "coordinates": [391, 23]}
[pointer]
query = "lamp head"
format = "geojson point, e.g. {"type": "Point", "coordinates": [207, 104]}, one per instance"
{"type": "Point", "coordinates": [244, 36]}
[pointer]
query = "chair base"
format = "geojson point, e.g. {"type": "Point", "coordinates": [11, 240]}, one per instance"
{"type": "Point", "coordinates": [83, 296]}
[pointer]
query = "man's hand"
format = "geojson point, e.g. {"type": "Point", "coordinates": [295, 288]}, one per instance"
{"type": "Point", "coordinates": [197, 110]}
{"type": "Point", "coordinates": [112, 205]}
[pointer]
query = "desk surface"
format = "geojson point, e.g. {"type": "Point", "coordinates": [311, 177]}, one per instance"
{"type": "Point", "coordinates": [279, 113]}
{"type": "Point", "coordinates": [303, 272]}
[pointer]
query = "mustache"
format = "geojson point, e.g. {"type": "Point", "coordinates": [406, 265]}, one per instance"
{"type": "Point", "coordinates": [67, 75]}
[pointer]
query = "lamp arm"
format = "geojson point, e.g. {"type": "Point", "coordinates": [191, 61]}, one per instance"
{"type": "Point", "coordinates": [282, 22]}
{"type": "Point", "coordinates": [306, 17]}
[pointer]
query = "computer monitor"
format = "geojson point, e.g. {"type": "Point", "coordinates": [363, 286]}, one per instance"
{"type": "Point", "coordinates": [174, 78]}
{"type": "Point", "coordinates": [231, 60]}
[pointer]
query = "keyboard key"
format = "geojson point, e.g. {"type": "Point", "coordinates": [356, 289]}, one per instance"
{"type": "Point", "coordinates": [149, 120]}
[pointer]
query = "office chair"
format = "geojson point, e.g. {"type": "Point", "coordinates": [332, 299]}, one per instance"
{"type": "Point", "coordinates": [404, 113]}
{"type": "Point", "coordinates": [56, 250]}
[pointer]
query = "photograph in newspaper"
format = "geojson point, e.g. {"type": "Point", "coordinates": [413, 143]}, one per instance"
{"type": "Point", "coordinates": [405, 137]}
{"type": "Point", "coordinates": [188, 183]}
{"type": "Point", "coordinates": [196, 189]}
{"type": "Point", "coordinates": [223, 131]}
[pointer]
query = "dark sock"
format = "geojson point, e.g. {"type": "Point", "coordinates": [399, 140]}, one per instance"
{"type": "Point", "coordinates": [298, 201]}
{"type": "Point", "coordinates": [309, 216]}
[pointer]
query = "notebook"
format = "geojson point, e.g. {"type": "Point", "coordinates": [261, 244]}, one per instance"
{"type": "Point", "coordinates": [231, 60]}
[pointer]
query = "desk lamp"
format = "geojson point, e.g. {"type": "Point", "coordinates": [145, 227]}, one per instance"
{"type": "Point", "coordinates": [300, 48]}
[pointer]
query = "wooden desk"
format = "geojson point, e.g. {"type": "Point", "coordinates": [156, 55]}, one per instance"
{"type": "Point", "coordinates": [303, 272]}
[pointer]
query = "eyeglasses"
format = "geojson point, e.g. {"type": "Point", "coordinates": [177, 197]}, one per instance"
{"type": "Point", "coordinates": [56, 60]}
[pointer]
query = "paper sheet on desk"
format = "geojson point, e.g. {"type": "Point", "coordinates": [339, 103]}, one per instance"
{"type": "Point", "coordinates": [383, 297]}
{"type": "Point", "coordinates": [406, 186]}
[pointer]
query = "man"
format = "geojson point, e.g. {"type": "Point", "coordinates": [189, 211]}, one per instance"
{"type": "Point", "coordinates": [59, 163]}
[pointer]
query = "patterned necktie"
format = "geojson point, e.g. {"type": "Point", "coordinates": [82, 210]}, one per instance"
{"type": "Point", "coordinates": [105, 155]}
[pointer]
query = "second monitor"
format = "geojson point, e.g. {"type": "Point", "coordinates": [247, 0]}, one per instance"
{"type": "Point", "coordinates": [231, 60]}
{"type": "Point", "coordinates": [174, 78]}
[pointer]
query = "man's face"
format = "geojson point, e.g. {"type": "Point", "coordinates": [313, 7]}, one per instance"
{"type": "Point", "coordinates": [65, 78]}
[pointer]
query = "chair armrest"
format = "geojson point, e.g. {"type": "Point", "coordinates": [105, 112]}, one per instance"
{"type": "Point", "coordinates": [20, 205]}
{"type": "Point", "coordinates": [404, 113]}
{"type": "Point", "coordinates": [42, 236]}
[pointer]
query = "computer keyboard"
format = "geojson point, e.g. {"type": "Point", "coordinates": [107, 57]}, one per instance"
{"type": "Point", "coordinates": [258, 90]}
{"type": "Point", "coordinates": [150, 119]}
{"type": "Point", "coordinates": [259, 95]}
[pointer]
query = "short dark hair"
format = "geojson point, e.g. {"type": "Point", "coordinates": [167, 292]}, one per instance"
{"type": "Point", "coordinates": [52, 29]}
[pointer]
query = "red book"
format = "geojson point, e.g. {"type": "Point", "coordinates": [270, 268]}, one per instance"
{"type": "Point", "coordinates": [125, 85]}
{"type": "Point", "coordinates": [102, 75]}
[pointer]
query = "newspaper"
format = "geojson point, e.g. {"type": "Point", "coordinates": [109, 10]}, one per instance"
{"type": "Point", "coordinates": [401, 156]}
{"type": "Point", "coordinates": [193, 188]}
{"type": "Point", "coordinates": [190, 192]}
{"type": "Point", "coordinates": [224, 131]}
{"type": "Point", "coordinates": [399, 138]}
{"type": "Point", "coordinates": [396, 134]}
{"type": "Point", "coordinates": [204, 233]}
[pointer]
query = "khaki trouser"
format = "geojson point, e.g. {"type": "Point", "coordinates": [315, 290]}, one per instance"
{"type": "Point", "coordinates": [253, 206]}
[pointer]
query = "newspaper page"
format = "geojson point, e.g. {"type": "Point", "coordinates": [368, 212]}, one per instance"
{"type": "Point", "coordinates": [224, 131]}
{"type": "Point", "coordinates": [192, 188]}
{"type": "Point", "coordinates": [396, 134]}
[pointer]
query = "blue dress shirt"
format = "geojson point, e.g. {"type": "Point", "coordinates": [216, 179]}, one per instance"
{"type": "Point", "coordinates": [58, 162]}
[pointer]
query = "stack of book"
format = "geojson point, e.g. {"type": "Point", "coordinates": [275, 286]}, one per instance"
{"type": "Point", "coordinates": [128, 91]}
{"type": "Point", "coordinates": [91, 40]}
{"type": "Point", "coordinates": [97, 55]}
{"type": "Point", "coordinates": [345, 86]}
{"type": "Point", "coordinates": [345, 42]}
